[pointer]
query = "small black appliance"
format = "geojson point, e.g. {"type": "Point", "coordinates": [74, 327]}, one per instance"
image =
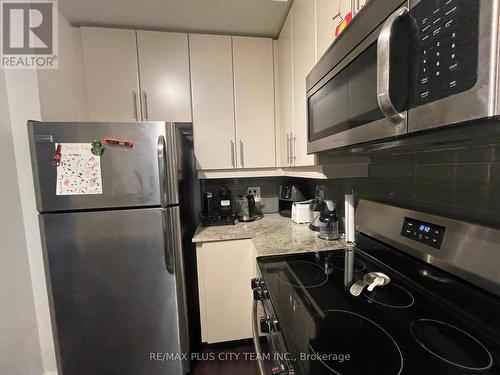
{"type": "Point", "coordinates": [328, 221]}
{"type": "Point", "coordinates": [218, 211]}
{"type": "Point", "coordinates": [289, 193]}
{"type": "Point", "coordinates": [316, 205]}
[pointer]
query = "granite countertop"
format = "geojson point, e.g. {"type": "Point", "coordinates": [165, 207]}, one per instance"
{"type": "Point", "coordinates": [271, 235]}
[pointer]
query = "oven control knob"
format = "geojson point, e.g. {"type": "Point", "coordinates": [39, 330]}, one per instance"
{"type": "Point", "coordinates": [259, 294]}
{"type": "Point", "coordinates": [281, 370]}
{"type": "Point", "coordinates": [266, 324]}
{"type": "Point", "coordinates": [256, 283]}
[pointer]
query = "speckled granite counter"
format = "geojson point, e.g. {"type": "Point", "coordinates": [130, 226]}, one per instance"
{"type": "Point", "coordinates": [271, 235]}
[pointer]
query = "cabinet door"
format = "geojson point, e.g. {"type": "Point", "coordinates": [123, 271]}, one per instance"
{"type": "Point", "coordinates": [304, 54]}
{"type": "Point", "coordinates": [254, 101]}
{"type": "Point", "coordinates": [329, 14]}
{"type": "Point", "coordinates": [111, 74]}
{"type": "Point", "coordinates": [213, 102]}
{"type": "Point", "coordinates": [228, 310]}
{"type": "Point", "coordinates": [164, 73]}
{"type": "Point", "coordinates": [285, 92]}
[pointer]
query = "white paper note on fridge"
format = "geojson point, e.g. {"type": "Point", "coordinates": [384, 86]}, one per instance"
{"type": "Point", "coordinates": [79, 172]}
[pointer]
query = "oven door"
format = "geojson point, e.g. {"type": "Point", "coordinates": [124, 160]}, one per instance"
{"type": "Point", "coordinates": [365, 96]}
{"type": "Point", "coordinates": [457, 58]}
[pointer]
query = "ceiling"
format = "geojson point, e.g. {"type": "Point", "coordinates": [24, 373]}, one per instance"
{"type": "Point", "coordinates": [237, 17]}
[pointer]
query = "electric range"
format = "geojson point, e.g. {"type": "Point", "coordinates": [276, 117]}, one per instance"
{"type": "Point", "coordinates": [439, 312]}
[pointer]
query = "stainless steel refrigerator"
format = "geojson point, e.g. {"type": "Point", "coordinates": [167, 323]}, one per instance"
{"type": "Point", "coordinates": [113, 247]}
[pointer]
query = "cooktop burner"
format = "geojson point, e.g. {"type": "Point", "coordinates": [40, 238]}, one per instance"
{"type": "Point", "coordinates": [451, 344]}
{"type": "Point", "coordinates": [369, 346]}
{"type": "Point", "coordinates": [303, 274]}
{"type": "Point", "coordinates": [426, 320]}
{"type": "Point", "coordinates": [391, 295]}
{"type": "Point", "coordinates": [338, 262]}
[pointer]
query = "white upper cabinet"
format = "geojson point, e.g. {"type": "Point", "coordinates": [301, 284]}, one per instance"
{"type": "Point", "coordinates": [213, 101]}
{"type": "Point", "coordinates": [329, 15]}
{"type": "Point", "coordinates": [303, 58]}
{"type": "Point", "coordinates": [307, 33]}
{"type": "Point", "coordinates": [254, 102]}
{"type": "Point", "coordinates": [225, 85]}
{"type": "Point", "coordinates": [164, 73]}
{"type": "Point", "coordinates": [285, 93]}
{"type": "Point", "coordinates": [136, 77]}
{"type": "Point", "coordinates": [111, 74]}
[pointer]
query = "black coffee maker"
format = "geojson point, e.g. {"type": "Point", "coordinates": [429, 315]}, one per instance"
{"type": "Point", "coordinates": [224, 204]}
{"type": "Point", "coordinates": [218, 210]}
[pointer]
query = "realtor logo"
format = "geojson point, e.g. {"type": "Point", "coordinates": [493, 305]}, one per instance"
{"type": "Point", "coordinates": [28, 34]}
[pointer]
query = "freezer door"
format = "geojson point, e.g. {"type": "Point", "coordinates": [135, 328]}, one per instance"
{"type": "Point", "coordinates": [130, 175]}
{"type": "Point", "coordinates": [114, 294]}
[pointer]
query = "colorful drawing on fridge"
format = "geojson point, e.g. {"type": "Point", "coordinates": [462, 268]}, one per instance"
{"type": "Point", "coordinates": [79, 172]}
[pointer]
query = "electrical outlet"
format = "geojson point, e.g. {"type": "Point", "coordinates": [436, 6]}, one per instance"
{"type": "Point", "coordinates": [255, 191]}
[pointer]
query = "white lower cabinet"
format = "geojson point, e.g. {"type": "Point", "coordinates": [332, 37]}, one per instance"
{"type": "Point", "coordinates": [225, 269]}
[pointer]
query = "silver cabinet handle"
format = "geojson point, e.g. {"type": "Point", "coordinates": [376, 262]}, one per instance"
{"type": "Point", "coordinates": [145, 104]}
{"type": "Point", "coordinates": [256, 339]}
{"type": "Point", "coordinates": [134, 105]}
{"type": "Point", "coordinates": [287, 148]}
{"type": "Point", "coordinates": [384, 68]}
{"type": "Point", "coordinates": [292, 147]}
{"type": "Point", "coordinates": [233, 162]}
{"type": "Point", "coordinates": [242, 162]}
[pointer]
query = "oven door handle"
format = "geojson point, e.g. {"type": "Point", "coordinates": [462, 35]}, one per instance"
{"type": "Point", "coordinates": [384, 68]}
{"type": "Point", "coordinates": [256, 339]}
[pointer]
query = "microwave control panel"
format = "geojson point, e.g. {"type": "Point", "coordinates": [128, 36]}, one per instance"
{"type": "Point", "coordinates": [446, 50]}
{"type": "Point", "coordinates": [427, 233]}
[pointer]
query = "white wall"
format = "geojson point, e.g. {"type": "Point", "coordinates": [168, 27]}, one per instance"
{"type": "Point", "coordinates": [24, 105]}
{"type": "Point", "coordinates": [57, 95]}
{"type": "Point", "coordinates": [19, 342]}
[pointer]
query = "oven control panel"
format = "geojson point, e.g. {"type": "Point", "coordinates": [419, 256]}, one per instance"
{"type": "Point", "coordinates": [427, 233]}
{"type": "Point", "coordinates": [447, 48]}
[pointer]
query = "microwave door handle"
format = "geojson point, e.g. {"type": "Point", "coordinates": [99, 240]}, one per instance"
{"type": "Point", "coordinates": [384, 68]}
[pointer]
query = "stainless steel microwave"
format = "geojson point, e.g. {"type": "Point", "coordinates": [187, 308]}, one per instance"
{"type": "Point", "coordinates": [403, 67]}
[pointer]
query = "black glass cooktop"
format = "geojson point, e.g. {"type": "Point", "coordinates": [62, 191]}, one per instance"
{"type": "Point", "coordinates": [423, 322]}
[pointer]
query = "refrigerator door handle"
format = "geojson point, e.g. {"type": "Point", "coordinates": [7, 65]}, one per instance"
{"type": "Point", "coordinates": [162, 173]}
{"type": "Point", "coordinates": [169, 236]}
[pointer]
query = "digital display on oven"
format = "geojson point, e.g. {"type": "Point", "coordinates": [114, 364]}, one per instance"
{"type": "Point", "coordinates": [424, 228]}
{"type": "Point", "coordinates": [427, 233]}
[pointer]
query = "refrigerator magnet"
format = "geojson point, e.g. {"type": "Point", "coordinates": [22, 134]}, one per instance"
{"type": "Point", "coordinates": [97, 148]}
{"type": "Point", "coordinates": [127, 143]}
